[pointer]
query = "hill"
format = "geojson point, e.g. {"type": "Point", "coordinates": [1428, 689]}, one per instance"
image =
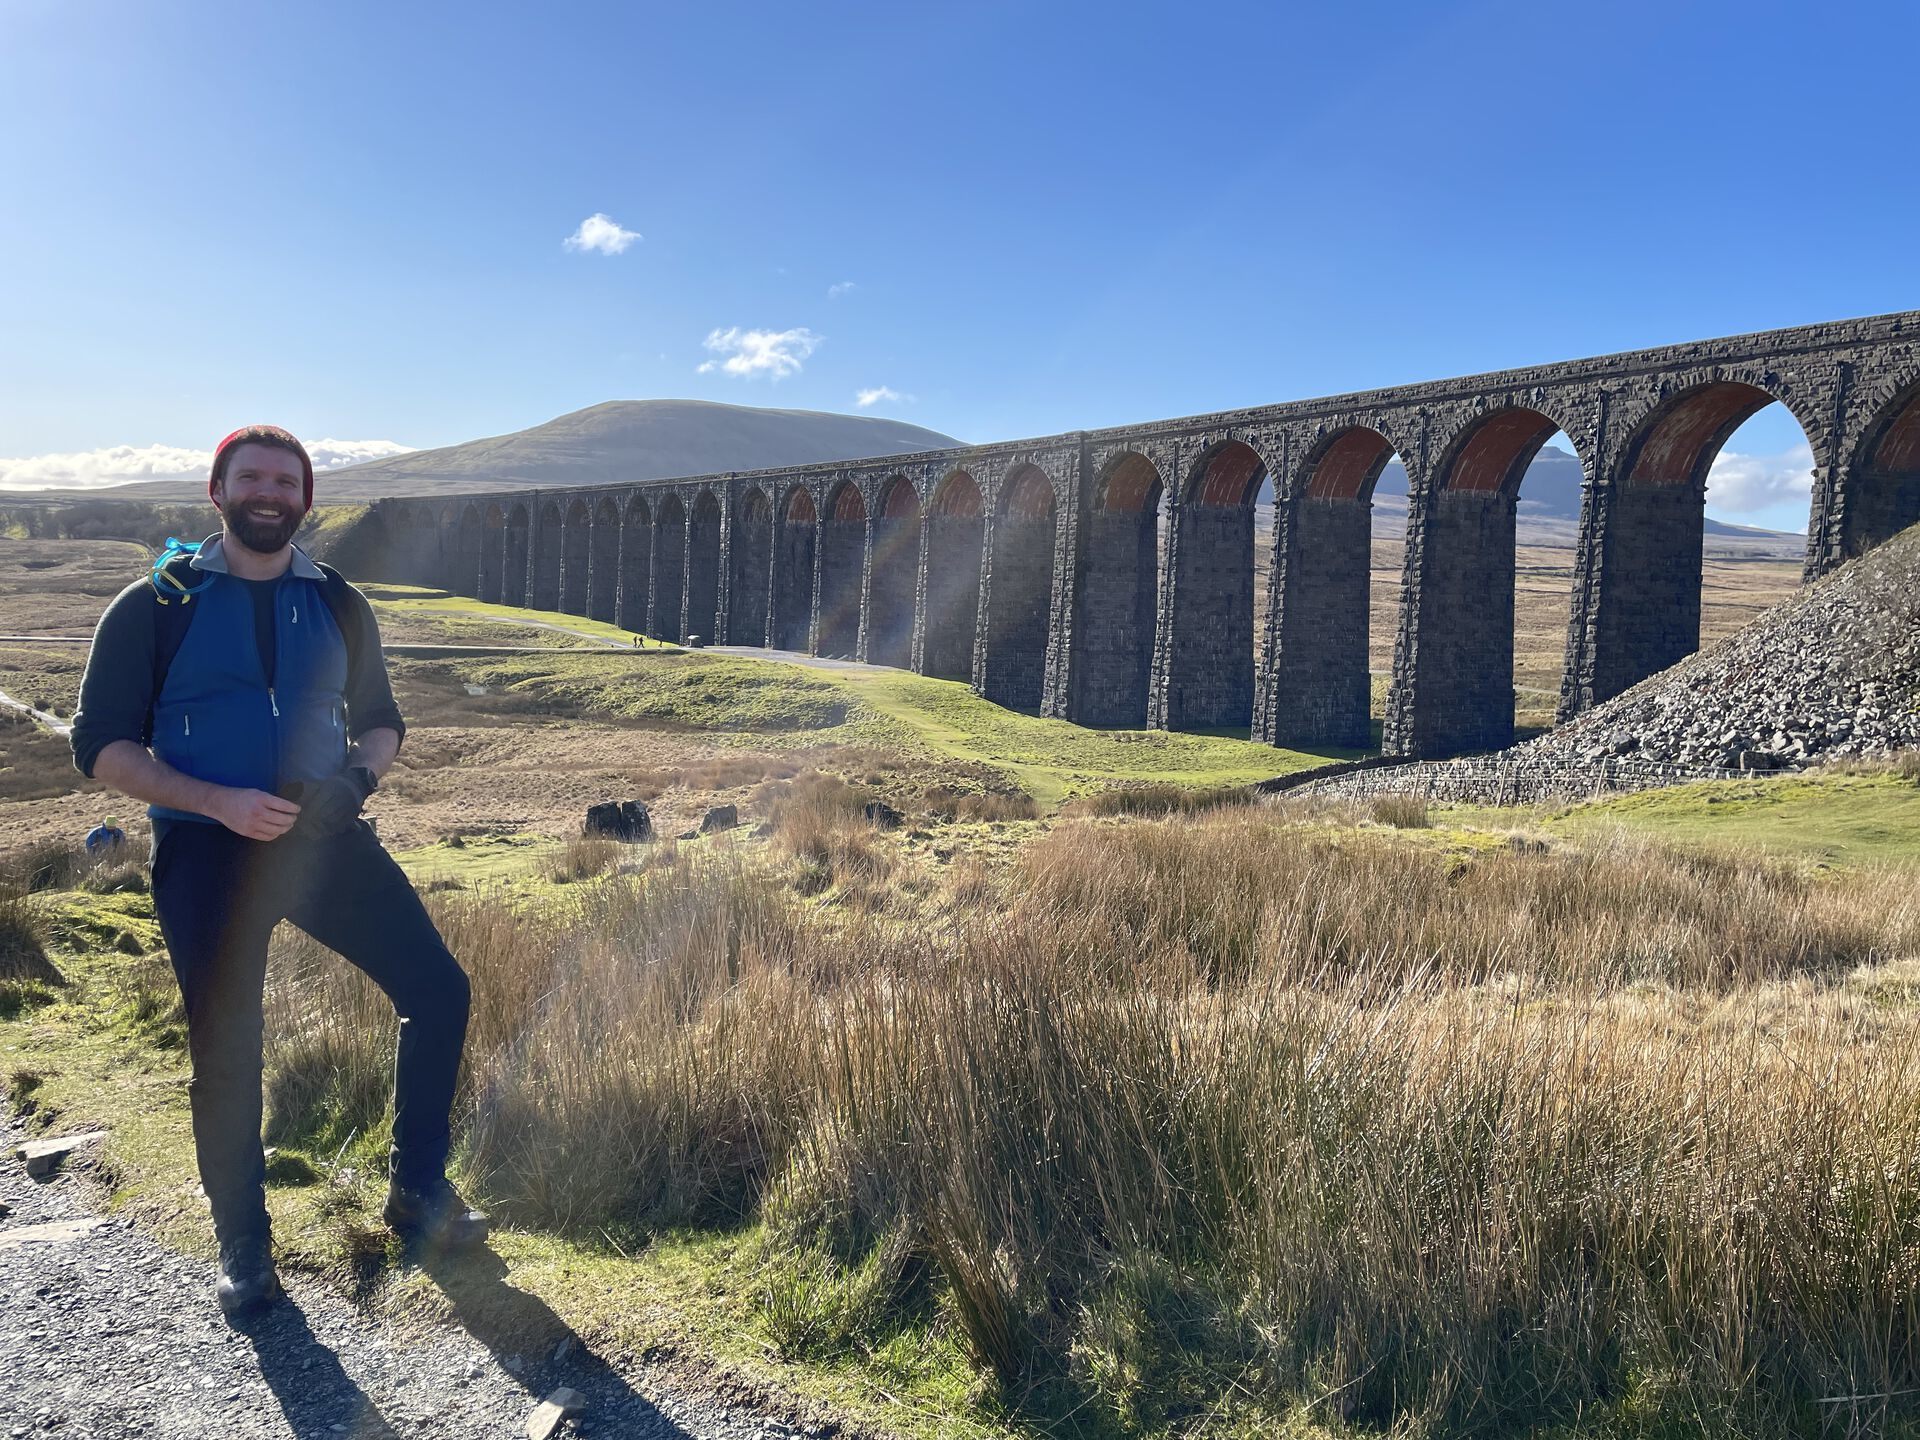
{"type": "Point", "coordinates": [618, 441]}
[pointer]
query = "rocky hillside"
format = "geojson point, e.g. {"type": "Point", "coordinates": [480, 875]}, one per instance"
{"type": "Point", "coordinates": [1833, 672]}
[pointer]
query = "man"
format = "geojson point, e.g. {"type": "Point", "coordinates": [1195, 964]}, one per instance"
{"type": "Point", "coordinates": [244, 696]}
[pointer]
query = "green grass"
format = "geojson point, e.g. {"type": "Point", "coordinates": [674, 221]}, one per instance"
{"type": "Point", "coordinates": [107, 1051]}
{"type": "Point", "coordinates": [403, 600]}
{"type": "Point", "coordinates": [740, 700]}
{"type": "Point", "coordinates": [728, 700]}
{"type": "Point", "coordinates": [1054, 759]}
{"type": "Point", "coordinates": [1832, 818]}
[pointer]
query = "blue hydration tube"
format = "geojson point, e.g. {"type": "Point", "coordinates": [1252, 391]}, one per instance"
{"type": "Point", "coordinates": [168, 589]}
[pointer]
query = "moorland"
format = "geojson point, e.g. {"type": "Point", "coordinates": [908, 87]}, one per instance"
{"type": "Point", "coordinates": [1092, 1097]}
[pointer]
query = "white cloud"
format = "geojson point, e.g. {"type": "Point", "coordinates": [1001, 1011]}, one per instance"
{"type": "Point", "coordinates": [867, 399]}
{"type": "Point", "coordinates": [1746, 484]}
{"type": "Point", "coordinates": [841, 288]}
{"type": "Point", "coordinates": [602, 235]}
{"type": "Point", "coordinates": [746, 353]}
{"type": "Point", "coordinates": [126, 464]}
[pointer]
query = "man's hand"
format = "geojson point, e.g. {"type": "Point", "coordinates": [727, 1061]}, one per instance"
{"type": "Point", "coordinates": [328, 806]}
{"type": "Point", "coordinates": [254, 813]}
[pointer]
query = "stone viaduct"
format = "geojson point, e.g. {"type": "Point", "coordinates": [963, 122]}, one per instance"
{"type": "Point", "coordinates": [1108, 576]}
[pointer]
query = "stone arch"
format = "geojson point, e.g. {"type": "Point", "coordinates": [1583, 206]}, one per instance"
{"type": "Point", "coordinates": [793, 565]}
{"type": "Point", "coordinates": [1020, 590]}
{"type": "Point", "coordinates": [1119, 599]}
{"type": "Point", "coordinates": [603, 562]}
{"type": "Point", "coordinates": [703, 566]}
{"type": "Point", "coordinates": [636, 564]}
{"type": "Point", "coordinates": [843, 552]}
{"type": "Point", "coordinates": [1209, 658]}
{"type": "Point", "coordinates": [1453, 663]}
{"type": "Point", "coordinates": [955, 541]}
{"type": "Point", "coordinates": [513, 588]}
{"type": "Point", "coordinates": [669, 568]}
{"type": "Point", "coordinates": [576, 549]}
{"type": "Point", "coordinates": [1882, 480]}
{"type": "Point", "coordinates": [1647, 600]}
{"type": "Point", "coordinates": [1319, 689]}
{"type": "Point", "coordinates": [464, 564]}
{"type": "Point", "coordinates": [751, 552]}
{"type": "Point", "coordinates": [896, 573]}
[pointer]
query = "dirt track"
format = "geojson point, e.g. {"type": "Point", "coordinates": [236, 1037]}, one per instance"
{"type": "Point", "coordinates": [106, 1333]}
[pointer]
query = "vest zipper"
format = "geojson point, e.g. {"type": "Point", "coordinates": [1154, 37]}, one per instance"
{"type": "Point", "coordinates": [275, 703]}
{"type": "Point", "coordinates": [187, 721]}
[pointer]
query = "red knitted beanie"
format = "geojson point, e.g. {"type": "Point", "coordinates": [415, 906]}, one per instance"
{"type": "Point", "coordinates": [261, 435]}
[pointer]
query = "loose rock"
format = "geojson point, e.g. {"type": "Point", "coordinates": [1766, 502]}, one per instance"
{"type": "Point", "coordinates": [549, 1414]}
{"type": "Point", "coordinates": [43, 1157]}
{"type": "Point", "coordinates": [625, 820]}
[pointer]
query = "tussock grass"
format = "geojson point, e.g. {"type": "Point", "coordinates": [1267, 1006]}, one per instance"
{"type": "Point", "coordinates": [1402, 812]}
{"type": "Point", "coordinates": [1153, 800]}
{"type": "Point", "coordinates": [586, 857]}
{"type": "Point", "coordinates": [947, 803]}
{"type": "Point", "coordinates": [1242, 893]}
{"type": "Point", "coordinates": [1229, 1116]}
{"type": "Point", "coordinates": [28, 978]}
{"type": "Point", "coordinates": [821, 821]}
{"type": "Point", "coordinates": [58, 865]}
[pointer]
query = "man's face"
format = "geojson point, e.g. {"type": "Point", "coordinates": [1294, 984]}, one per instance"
{"type": "Point", "coordinates": [262, 497]}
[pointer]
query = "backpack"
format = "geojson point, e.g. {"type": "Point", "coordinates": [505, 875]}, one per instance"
{"type": "Point", "coordinates": [175, 582]}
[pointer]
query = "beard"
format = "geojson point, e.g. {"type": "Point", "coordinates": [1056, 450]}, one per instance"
{"type": "Point", "coordinates": [265, 533]}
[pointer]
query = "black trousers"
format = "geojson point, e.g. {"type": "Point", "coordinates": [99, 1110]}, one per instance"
{"type": "Point", "coordinates": [219, 896]}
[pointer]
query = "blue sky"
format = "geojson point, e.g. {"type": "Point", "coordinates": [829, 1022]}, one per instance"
{"type": "Point", "coordinates": [351, 218]}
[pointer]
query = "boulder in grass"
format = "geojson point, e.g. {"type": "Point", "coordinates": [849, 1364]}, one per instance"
{"type": "Point", "coordinates": [625, 820]}
{"type": "Point", "coordinates": [879, 813]}
{"type": "Point", "coordinates": [720, 817]}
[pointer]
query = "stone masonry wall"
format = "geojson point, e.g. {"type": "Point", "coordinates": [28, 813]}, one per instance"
{"type": "Point", "coordinates": [1649, 616]}
{"type": "Point", "coordinates": [896, 543]}
{"type": "Point", "coordinates": [793, 587]}
{"type": "Point", "coordinates": [1114, 638]}
{"type": "Point", "coordinates": [1209, 665]}
{"type": "Point", "coordinates": [1322, 692]}
{"type": "Point", "coordinates": [1465, 676]}
{"type": "Point", "coordinates": [1021, 598]}
{"type": "Point", "coordinates": [952, 612]}
{"type": "Point", "coordinates": [669, 573]}
{"type": "Point", "coordinates": [752, 554]}
{"type": "Point", "coordinates": [843, 545]}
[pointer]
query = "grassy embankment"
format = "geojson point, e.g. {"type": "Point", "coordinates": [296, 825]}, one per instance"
{"type": "Point", "coordinates": [1252, 1122]}
{"type": "Point", "coordinates": [742, 700]}
{"type": "Point", "coordinates": [1841, 816]}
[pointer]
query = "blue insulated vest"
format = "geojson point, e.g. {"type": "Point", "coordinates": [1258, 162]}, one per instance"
{"type": "Point", "coordinates": [220, 717]}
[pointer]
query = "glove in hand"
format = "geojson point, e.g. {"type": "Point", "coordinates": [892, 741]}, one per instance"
{"type": "Point", "coordinates": [329, 806]}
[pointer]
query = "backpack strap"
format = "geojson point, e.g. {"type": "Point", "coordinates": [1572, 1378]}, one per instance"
{"type": "Point", "coordinates": [339, 598]}
{"type": "Point", "coordinates": [175, 583]}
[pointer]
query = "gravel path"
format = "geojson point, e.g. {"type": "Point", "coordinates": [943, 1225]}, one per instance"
{"type": "Point", "coordinates": [40, 717]}
{"type": "Point", "coordinates": [106, 1333]}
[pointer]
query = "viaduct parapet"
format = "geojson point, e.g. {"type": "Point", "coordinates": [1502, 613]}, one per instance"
{"type": "Point", "coordinates": [1107, 576]}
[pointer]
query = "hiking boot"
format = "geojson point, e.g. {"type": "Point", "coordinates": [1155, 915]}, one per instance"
{"type": "Point", "coordinates": [435, 1216]}
{"type": "Point", "coordinates": [247, 1280]}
